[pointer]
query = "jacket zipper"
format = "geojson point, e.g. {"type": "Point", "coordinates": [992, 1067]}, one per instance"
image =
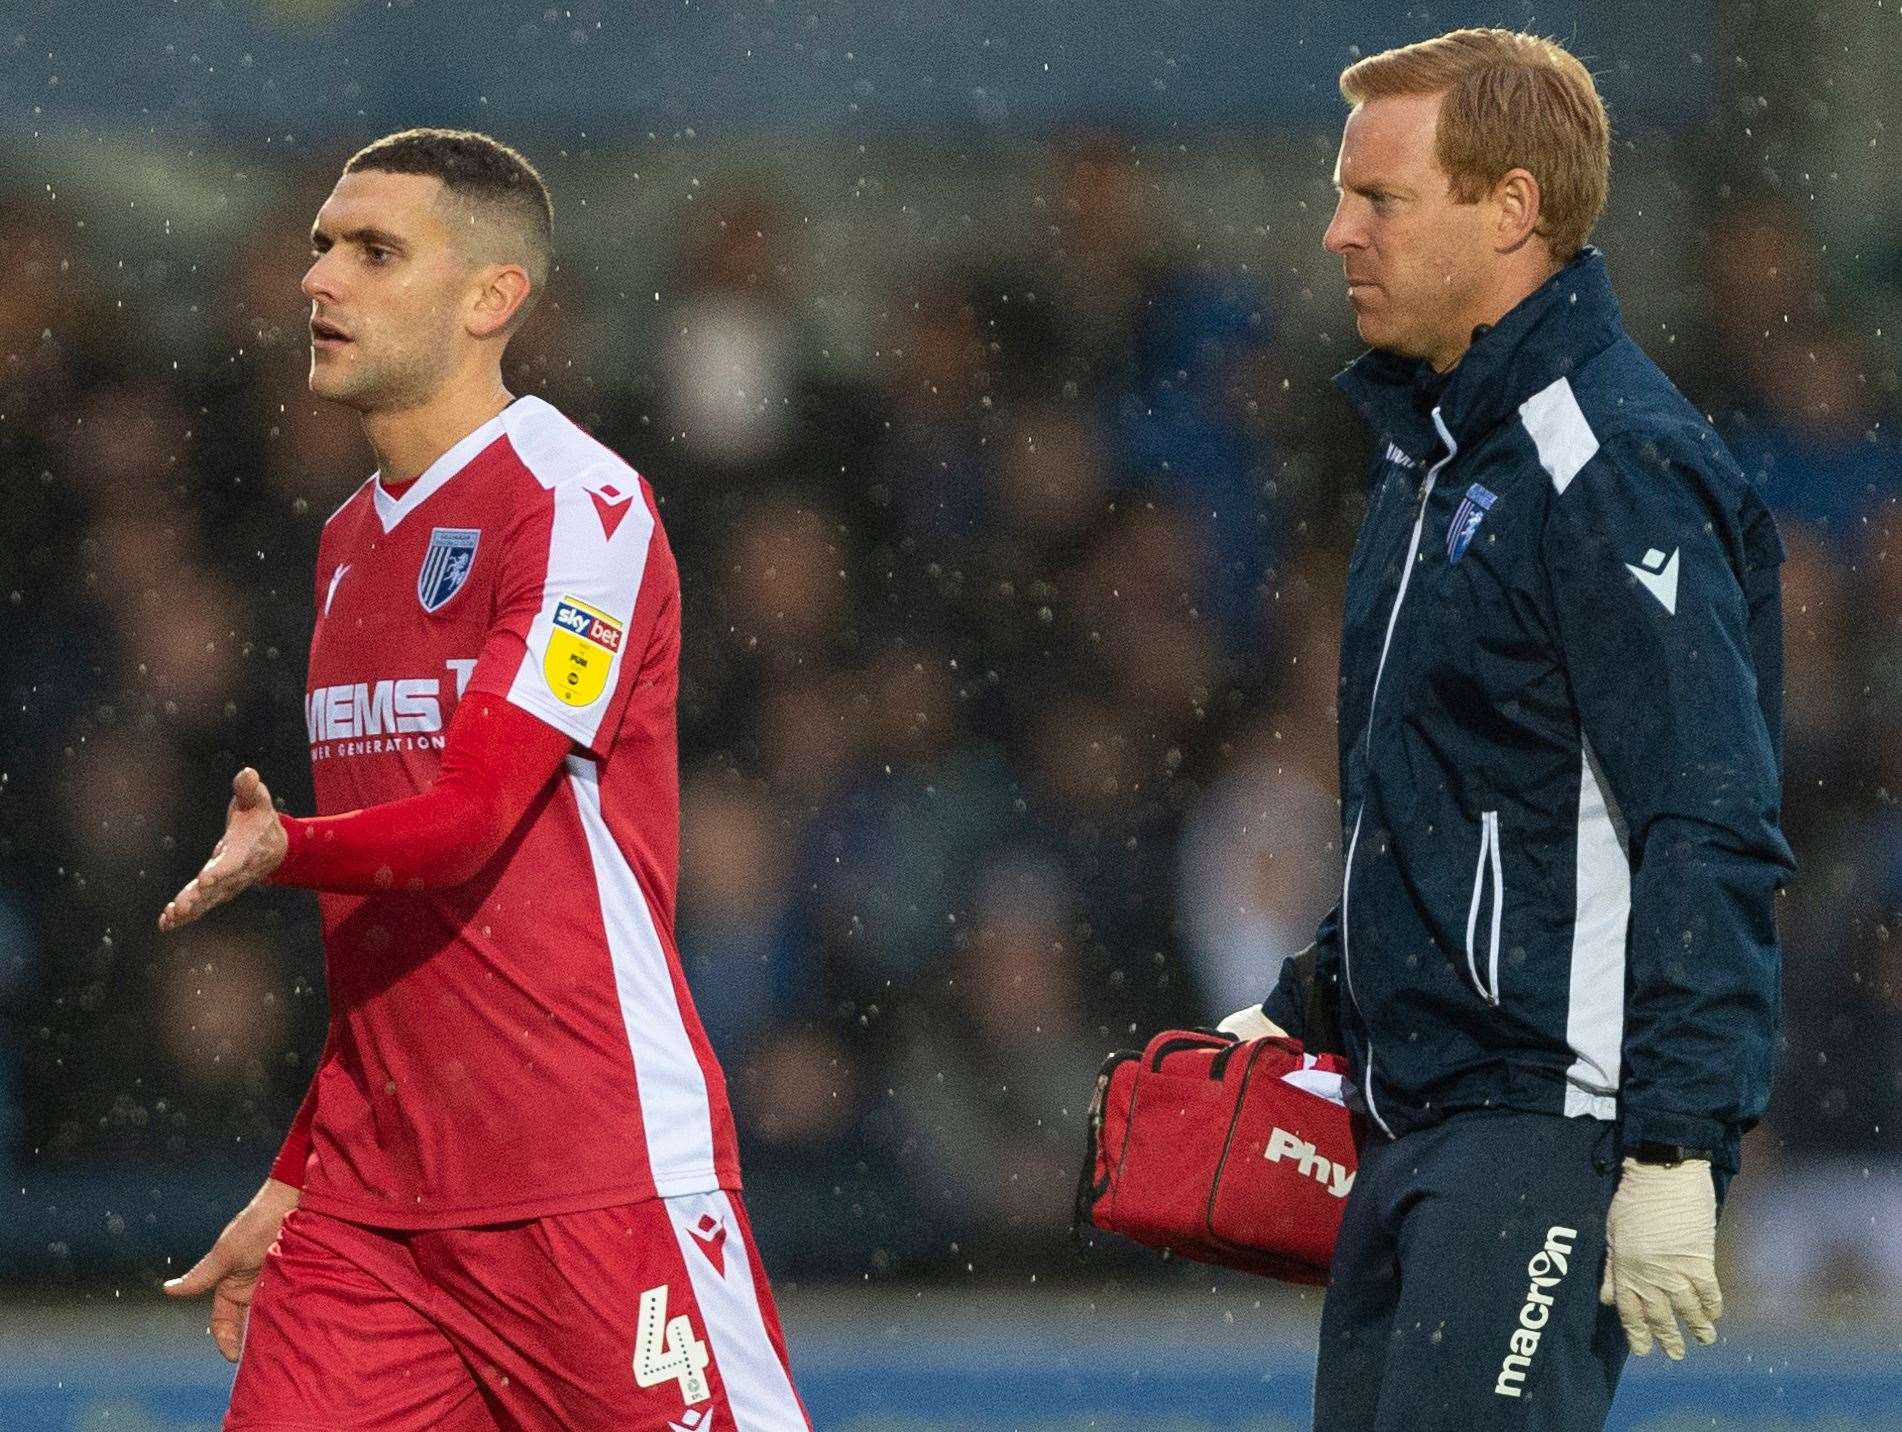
{"type": "Point", "coordinates": [1393, 617]}
{"type": "Point", "coordinates": [1489, 866]}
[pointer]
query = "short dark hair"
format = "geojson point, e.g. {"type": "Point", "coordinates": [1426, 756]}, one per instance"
{"type": "Point", "coordinates": [481, 172]}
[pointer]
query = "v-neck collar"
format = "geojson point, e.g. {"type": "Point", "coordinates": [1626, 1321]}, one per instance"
{"type": "Point", "coordinates": [393, 507]}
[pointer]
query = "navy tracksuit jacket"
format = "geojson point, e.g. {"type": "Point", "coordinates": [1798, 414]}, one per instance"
{"type": "Point", "coordinates": [1560, 726]}
{"type": "Point", "coordinates": [1560, 731]}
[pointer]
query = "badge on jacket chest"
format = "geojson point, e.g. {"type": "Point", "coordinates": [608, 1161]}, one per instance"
{"type": "Point", "coordinates": [1466, 519]}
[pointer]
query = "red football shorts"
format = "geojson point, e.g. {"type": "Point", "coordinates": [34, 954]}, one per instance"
{"type": "Point", "coordinates": [649, 1317]}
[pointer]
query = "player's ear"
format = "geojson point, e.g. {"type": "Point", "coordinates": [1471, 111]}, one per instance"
{"type": "Point", "coordinates": [500, 292]}
{"type": "Point", "coordinates": [1518, 201]}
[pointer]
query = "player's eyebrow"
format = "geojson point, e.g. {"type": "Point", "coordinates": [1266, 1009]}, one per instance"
{"type": "Point", "coordinates": [1370, 187]}
{"type": "Point", "coordinates": [363, 234]}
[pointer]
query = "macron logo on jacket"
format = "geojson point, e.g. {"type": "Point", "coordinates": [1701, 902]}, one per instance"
{"type": "Point", "coordinates": [1658, 576]}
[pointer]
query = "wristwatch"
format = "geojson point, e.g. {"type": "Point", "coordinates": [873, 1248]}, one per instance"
{"type": "Point", "coordinates": [1665, 1155]}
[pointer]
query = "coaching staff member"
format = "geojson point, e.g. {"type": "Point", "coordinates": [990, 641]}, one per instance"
{"type": "Point", "coordinates": [1554, 962]}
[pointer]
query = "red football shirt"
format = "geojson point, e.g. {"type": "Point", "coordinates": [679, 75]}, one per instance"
{"type": "Point", "coordinates": [523, 1044]}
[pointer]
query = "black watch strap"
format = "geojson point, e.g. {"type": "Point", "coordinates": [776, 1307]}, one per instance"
{"type": "Point", "coordinates": [1665, 1155]}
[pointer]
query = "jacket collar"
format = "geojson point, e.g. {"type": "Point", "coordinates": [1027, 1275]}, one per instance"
{"type": "Point", "coordinates": [1568, 319]}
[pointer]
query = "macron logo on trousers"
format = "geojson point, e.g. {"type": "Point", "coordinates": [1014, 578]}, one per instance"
{"type": "Point", "coordinates": [1330, 1175]}
{"type": "Point", "coordinates": [1546, 1270]}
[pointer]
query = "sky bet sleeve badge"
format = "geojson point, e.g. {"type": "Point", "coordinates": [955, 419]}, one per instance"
{"type": "Point", "coordinates": [582, 644]}
{"type": "Point", "coordinates": [446, 565]}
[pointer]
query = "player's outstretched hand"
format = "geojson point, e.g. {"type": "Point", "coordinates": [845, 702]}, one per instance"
{"type": "Point", "coordinates": [253, 846]}
{"type": "Point", "coordinates": [229, 1272]}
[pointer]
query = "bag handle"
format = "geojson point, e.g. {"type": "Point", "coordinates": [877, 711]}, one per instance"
{"type": "Point", "coordinates": [1174, 1041]}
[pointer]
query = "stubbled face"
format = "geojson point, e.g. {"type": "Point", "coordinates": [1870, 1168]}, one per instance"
{"type": "Point", "coordinates": [1416, 260]}
{"type": "Point", "coordinates": [388, 290]}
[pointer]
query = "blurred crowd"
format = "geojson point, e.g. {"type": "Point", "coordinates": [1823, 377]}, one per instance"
{"type": "Point", "coordinates": [1007, 701]}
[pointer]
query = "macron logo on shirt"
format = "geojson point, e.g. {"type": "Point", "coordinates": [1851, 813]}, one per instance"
{"type": "Point", "coordinates": [336, 580]}
{"type": "Point", "coordinates": [610, 505]}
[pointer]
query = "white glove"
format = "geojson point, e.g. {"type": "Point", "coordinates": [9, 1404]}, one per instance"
{"type": "Point", "coordinates": [1660, 1258]}
{"type": "Point", "coordinates": [1250, 1023]}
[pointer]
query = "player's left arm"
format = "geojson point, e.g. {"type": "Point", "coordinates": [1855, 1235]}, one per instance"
{"type": "Point", "coordinates": [587, 608]}
{"type": "Point", "coordinates": [251, 848]}
{"type": "Point", "coordinates": [1666, 601]}
{"type": "Point", "coordinates": [496, 761]}
{"type": "Point", "coordinates": [585, 581]}
{"type": "Point", "coordinates": [1664, 581]}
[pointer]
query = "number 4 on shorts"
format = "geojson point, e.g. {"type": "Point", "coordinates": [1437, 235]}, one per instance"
{"type": "Point", "coordinates": [664, 1349]}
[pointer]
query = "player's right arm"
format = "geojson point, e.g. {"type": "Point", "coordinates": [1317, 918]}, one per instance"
{"type": "Point", "coordinates": [1305, 1002]}
{"type": "Point", "coordinates": [229, 1270]}
{"type": "Point", "coordinates": [292, 1156]}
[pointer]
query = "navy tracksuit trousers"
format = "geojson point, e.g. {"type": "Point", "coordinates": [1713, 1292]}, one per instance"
{"type": "Point", "coordinates": [1464, 1291]}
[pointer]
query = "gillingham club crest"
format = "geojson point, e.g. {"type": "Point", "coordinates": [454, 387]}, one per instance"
{"type": "Point", "coordinates": [446, 565]}
{"type": "Point", "coordinates": [1471, 512]}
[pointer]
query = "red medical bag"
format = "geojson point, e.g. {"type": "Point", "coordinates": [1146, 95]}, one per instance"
{"type": "Point", "coordinates": [1236, 1154]}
